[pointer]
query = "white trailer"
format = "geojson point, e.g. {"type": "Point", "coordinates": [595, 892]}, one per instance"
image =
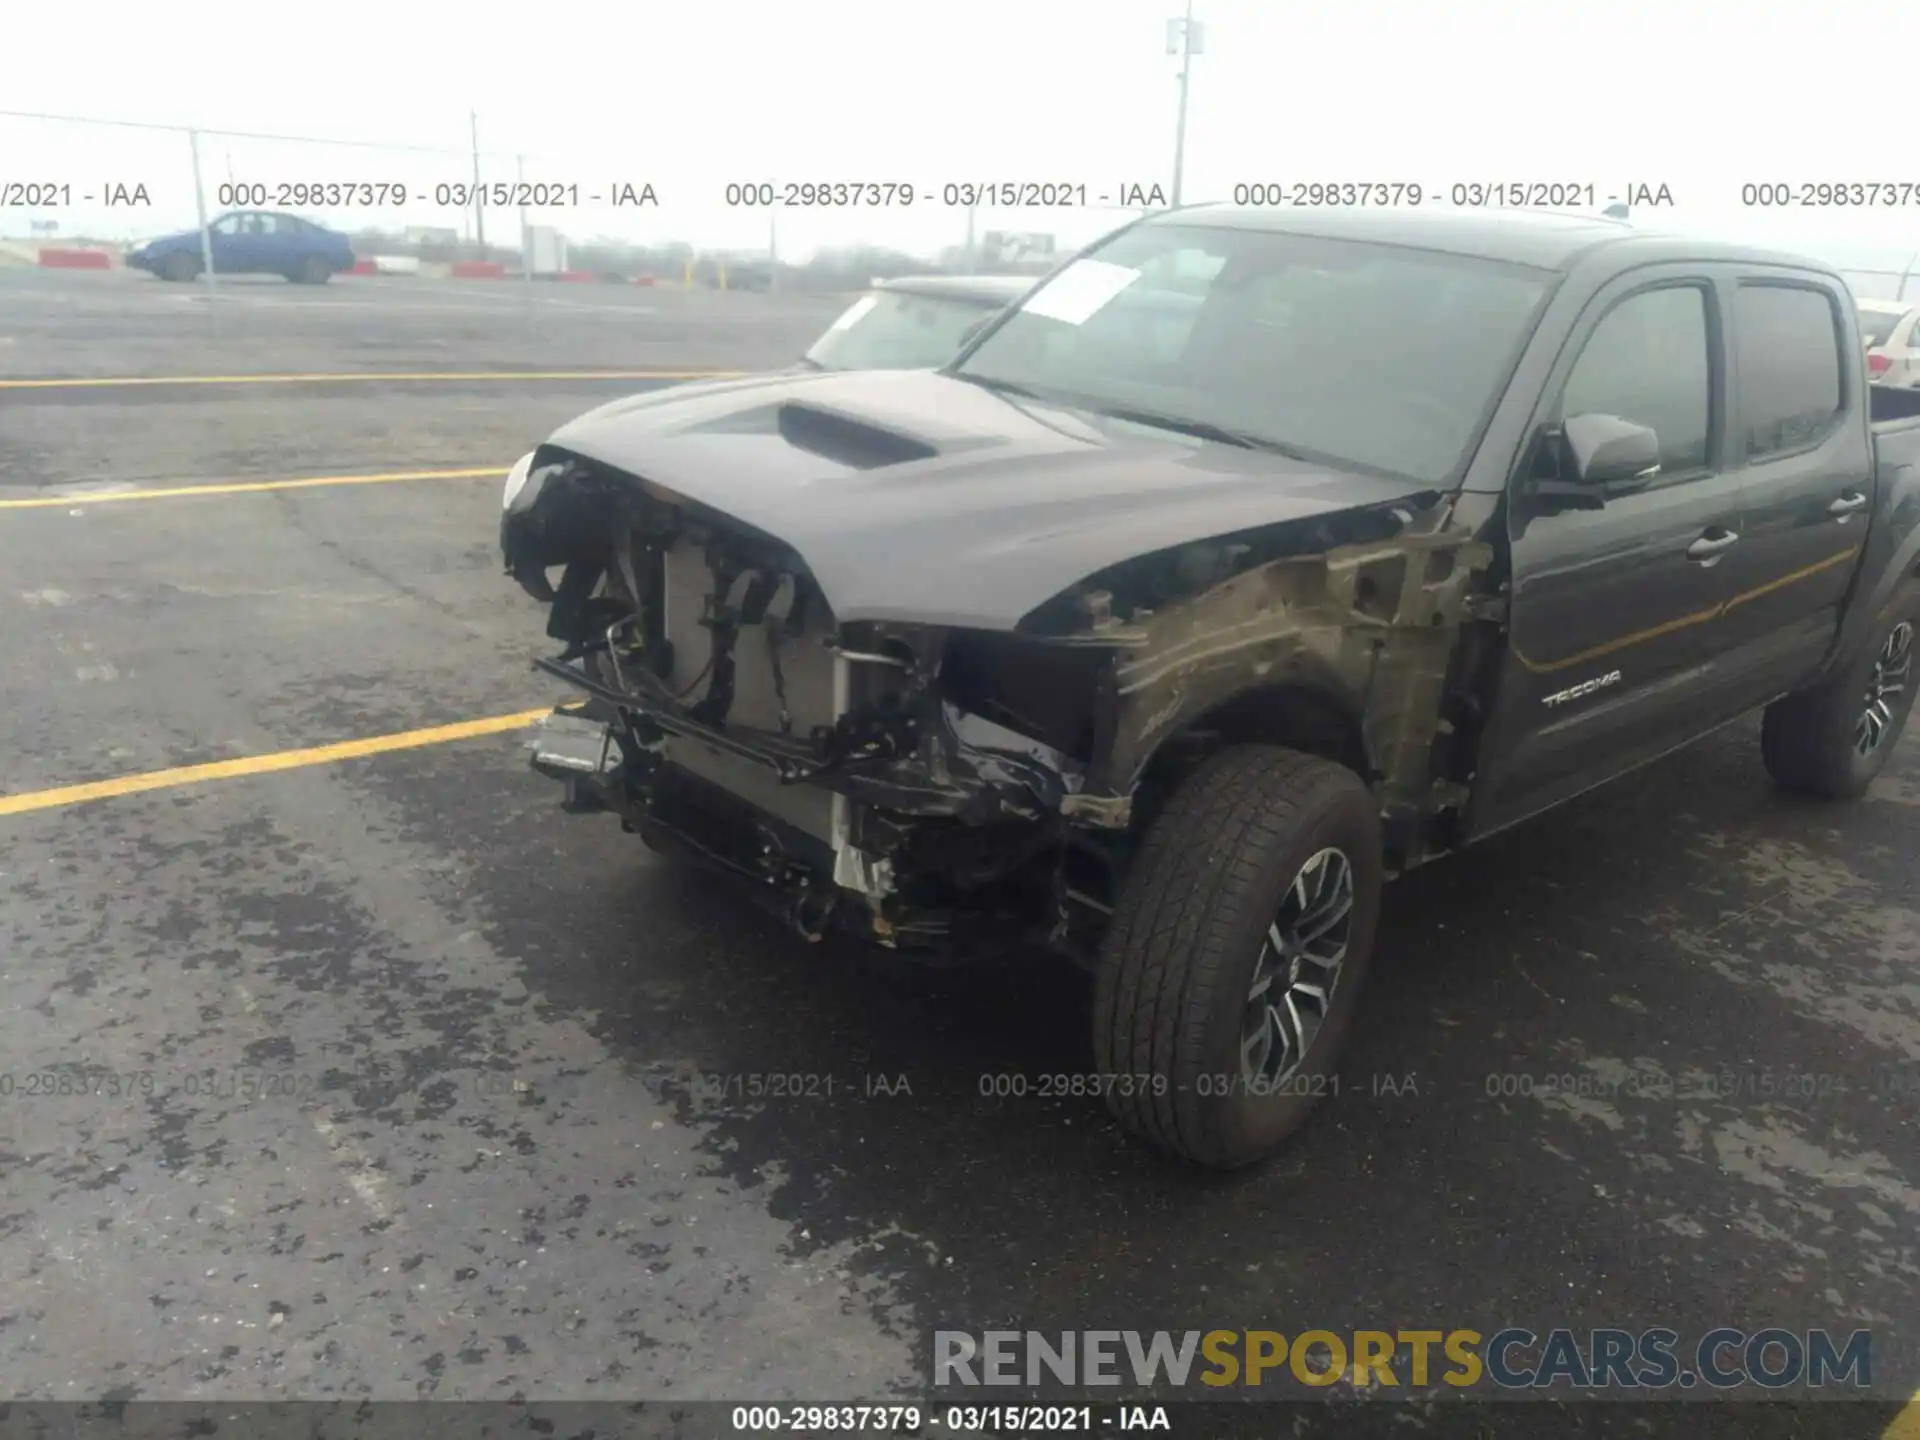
{"type": "Point", "coordinates": [546, 250]}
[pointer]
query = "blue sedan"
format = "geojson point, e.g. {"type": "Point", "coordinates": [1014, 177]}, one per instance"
{"type": "Point", "coordinates": [251, 242]}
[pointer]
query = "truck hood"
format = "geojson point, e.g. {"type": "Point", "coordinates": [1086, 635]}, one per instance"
{"type": "Point", "coordinates": [919, 498]}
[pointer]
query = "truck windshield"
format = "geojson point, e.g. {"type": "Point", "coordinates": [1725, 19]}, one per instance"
{"type": "Point", "coordinates": [1380, 357]}
{"type": "Point", "coordinates": [896, 330]}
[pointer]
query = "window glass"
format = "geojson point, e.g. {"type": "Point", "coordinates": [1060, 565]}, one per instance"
{"type": "Point", "coordinates": [227, 225]}
{"type": "Point", "coordinates": [1380, 357]}
{"type": "Point", "coordinates": [1789, 366]}
{"type": "Point", "coordinates": [1647, 362]}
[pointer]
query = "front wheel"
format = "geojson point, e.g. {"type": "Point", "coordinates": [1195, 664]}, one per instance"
{"type": "Point", "coordinates": [1237, 952]}
{"type": "Point", "coordinates": [1832, 741]}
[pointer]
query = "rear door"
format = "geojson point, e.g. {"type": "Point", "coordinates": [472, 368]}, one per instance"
{"type": "Point", "coordinates": [1612, 620]}
{"type": "Point", "coordinates": [284, 243]}
{"type": "Point", "coordinates": [1799, 447]}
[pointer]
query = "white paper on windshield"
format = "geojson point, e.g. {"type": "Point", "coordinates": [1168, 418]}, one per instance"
{"type": "Point", "coordinates": [1078, 292]}
{"type": "Point", "coordinates": [855, 311]}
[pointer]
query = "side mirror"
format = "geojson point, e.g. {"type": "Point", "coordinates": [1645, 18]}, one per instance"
{"type": "Point", "coordinates": [1605, 455]}
{"type": "Point", "coordinates": [1611, 453]}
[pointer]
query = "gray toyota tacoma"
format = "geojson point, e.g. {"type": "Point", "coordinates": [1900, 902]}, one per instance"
{"type": "Point", "coordinates": [1251, 559]}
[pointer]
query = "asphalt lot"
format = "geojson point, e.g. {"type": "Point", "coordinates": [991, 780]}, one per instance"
{"type": "Point", "coordinates": [492, 1175]}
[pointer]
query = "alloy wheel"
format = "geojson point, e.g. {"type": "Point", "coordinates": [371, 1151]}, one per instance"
{"type": "Point", "coordinates": [1891, 670]}
{"type": "Point", "coordinates": [1298, 971]}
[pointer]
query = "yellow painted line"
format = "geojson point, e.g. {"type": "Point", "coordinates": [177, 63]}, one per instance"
{"type": "Point", "coordinates": [1906, 1425]}
{"type": "Point", "coordinates": [262, 764]}
{"type": "Point", "coordinates": [246, 487]}
{"type": "Point", "coordinates": [111, 381]}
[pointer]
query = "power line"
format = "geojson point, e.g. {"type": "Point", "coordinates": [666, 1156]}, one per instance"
{"type": "Point", "coordinates": [260, 135]}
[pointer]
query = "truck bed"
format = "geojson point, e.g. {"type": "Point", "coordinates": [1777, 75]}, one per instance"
{"type": "Point", "coordinates": [1894, 414]}
{"type": "Point", "coordinates": [1891, 407]}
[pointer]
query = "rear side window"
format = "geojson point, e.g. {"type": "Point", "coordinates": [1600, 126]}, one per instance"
{"type": "Point", "coordinates": [1647, 361]}
{"type": "Point", "coordinates": [1788, 388]}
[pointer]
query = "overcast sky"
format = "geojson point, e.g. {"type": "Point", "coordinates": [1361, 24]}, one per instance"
{"type": "Point", "coordinates": [1700, 97]}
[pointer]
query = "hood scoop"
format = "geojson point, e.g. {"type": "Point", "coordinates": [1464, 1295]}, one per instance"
{"type": "Point", "coordinates": [857, 444]}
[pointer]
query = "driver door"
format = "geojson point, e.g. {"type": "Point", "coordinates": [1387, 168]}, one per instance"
{"type": "Point", "coordinates": [1615, 630]}
{"type": "Point", "coordinates": [229, 243]}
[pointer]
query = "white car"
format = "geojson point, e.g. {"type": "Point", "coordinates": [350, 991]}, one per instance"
{"type": "Point", "coordinates": [1891, 329]}
{"type": "Point", "coordinates": [914, 323]}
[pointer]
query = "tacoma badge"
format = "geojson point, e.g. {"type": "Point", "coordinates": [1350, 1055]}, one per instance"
{"type": "Point", "coordinates": [1585, 687]}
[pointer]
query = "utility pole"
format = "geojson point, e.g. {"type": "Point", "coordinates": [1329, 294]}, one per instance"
{"type": "Point", "coordinates": [200, 207]}
{"type": "Point", "coordinates": [526, 238]}
{"type": "Point", "coordinates": [1189, 43]}
{"type": "Point", "coordinates": [479, 196]}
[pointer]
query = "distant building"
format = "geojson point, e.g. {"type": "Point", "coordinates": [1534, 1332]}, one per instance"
{"type": "Point", "coordinates": [1012, 247]}
{"type": "Point", "coordinates": [432, 235]}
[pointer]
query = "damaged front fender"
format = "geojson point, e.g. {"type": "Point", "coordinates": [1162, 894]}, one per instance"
{"type": "Point", "coordinates": [1366, 629]}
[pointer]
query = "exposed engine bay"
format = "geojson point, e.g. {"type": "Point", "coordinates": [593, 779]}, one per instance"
{"type": "Point", "coordinates": [926, 785]}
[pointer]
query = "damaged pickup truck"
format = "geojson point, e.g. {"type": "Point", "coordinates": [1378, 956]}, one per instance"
{"type": "Point", "coordinates": [1251, 559]}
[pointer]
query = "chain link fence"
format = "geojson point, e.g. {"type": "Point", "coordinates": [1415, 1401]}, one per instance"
{"type": "Point", "coordinates": [74, 184]}
{"type": "Point", "coordinates": [90, 189]}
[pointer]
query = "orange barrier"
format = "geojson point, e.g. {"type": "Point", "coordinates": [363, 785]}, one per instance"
{"type": "Point", "coordinates": [576, 276]}
{"type": "Point", "coordinates": [364, 267]}
{"type": "Point", "coordinates": [479, 270]}
{"type": "Point", "coordinates": [56, 259]}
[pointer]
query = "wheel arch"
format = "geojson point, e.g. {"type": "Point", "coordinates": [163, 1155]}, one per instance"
{"type": "Point", "coordinates": [1308, 709]}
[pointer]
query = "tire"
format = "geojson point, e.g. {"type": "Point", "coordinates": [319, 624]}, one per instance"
{"type": "Point", "coordinates": [1178, 965]}
{"type": "Point", "coordinates": [312, 271]}
{"type": "Point", "coordinates": [1825, 742]}
{"type": "Point", "coordinates": [180, 268]}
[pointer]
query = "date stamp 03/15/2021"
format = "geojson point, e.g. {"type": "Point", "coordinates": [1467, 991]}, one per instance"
{"type": "Point", "coordinates": [52, 192]}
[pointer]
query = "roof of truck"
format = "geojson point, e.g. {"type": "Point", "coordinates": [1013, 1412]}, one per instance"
{"type": "Point", "coordinates": [1544, 239]}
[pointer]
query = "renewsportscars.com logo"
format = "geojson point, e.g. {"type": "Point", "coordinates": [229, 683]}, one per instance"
{"type": "Point", "coordinates": [1510, 1359]}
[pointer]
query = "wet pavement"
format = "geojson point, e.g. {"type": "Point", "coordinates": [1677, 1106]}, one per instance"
{"type": "Point", "coordinates": [386, 1079]}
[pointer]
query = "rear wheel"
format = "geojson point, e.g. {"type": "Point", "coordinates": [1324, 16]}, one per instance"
{"type": "Point", "coordinates": [1833, 740]}
{"type": "Point", "coordinates": [179, 267]}
{"type": "Point", "coordinates": [312, 271]}
{"type": "Point", "coordinates": [1236, 954]}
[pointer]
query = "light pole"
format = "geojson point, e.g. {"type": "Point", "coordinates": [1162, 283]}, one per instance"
{"type": "Point", "coordinates": [479, 197]}
{"type": "Point", "coordinates": [1183, 37]}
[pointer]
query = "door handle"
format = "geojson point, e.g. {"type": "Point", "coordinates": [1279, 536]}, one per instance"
{"type": "Point", "coordinates": [1712, 545]}
{"type": "Point", "coordinates": [1852, 502]}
